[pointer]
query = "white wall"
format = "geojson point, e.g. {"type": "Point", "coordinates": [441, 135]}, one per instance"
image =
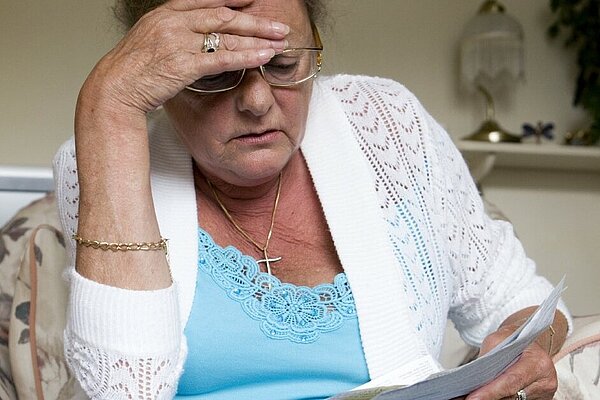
{"type": "Point", "coordinates": [416, 42]}
{"type": "Point", "coordinates": [46, 51]}
{"type": "Point", "coordinates": [47, 47]}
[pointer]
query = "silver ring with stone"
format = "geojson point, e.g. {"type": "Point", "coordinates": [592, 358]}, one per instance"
{"type": "Point", "coordinates": [521, 395]}
{"type": "Point", "coordinates": [211, 42]}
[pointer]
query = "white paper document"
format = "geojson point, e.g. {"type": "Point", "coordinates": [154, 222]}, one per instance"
{"type": "Point", "coordinates": [465, 379]}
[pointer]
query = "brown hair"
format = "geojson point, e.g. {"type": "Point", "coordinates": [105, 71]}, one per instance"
{"type": "Point", "coordinates": [128, 12]}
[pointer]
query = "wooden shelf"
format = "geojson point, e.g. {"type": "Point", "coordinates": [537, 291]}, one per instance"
{"type": "Point", "coordinates": [483, 156]}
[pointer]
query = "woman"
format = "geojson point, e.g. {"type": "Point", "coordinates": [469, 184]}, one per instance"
{"type": "Point", "coordinates": [296, 210]}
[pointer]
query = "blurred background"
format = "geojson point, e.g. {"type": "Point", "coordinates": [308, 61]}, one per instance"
{"type": "Point", "coordinates": [47, 49]}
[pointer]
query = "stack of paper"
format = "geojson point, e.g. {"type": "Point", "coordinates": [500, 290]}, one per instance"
{"type": "Point", "coordinates": [465, 379]}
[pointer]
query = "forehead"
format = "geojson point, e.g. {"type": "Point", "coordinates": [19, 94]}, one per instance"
{"type": "Point", "coordinates": [290, 12]}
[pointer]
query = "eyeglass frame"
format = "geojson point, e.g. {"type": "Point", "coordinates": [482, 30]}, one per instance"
{"type": "Point", "coordinates": [318, 47]}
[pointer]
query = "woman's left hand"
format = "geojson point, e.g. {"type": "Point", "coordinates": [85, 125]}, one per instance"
{"type": "Point", "coordinates": [533, 372]}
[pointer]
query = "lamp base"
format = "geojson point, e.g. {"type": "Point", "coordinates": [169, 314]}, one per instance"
{"type": "Point", "coordinates": [491, 131]}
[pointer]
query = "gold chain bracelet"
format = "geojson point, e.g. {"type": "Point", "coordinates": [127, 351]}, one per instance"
{"type": "Point", "coordinates": [141, 246]}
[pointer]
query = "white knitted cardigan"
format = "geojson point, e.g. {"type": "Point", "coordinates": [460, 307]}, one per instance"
{"type": "Point", "coordinates": [407, 223]}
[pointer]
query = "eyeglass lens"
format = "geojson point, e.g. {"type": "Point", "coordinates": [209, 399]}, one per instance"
{"type": "Point", "coordinates": [290, 67]}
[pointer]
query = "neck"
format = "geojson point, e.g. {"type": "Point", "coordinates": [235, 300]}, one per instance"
{"type": "Point", "coordinates": [236, 197]}
{"type": "Point", "coordinates": [263, 247]}
{"type": "Point", "coordinates": [231, 193]}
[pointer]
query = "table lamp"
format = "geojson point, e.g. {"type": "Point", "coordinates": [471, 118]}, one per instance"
{"type": "Point", "coordinates": [491, 58]}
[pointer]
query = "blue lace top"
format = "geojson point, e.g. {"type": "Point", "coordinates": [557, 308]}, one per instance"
{"type": "Point", "coordinates": [251, 336]}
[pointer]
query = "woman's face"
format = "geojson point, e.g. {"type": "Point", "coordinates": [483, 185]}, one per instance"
{"type": "Point", "coordinates": [246, 136]}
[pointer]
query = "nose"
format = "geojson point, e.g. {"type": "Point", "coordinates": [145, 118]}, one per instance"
{"type": "Point", "coordinates": [255, 95]}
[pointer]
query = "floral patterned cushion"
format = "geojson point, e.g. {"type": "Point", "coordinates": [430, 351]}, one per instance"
{"type": "Point", "coordinates": [578, 362]}
{"type": "Point", "coordinates": [33, 298]}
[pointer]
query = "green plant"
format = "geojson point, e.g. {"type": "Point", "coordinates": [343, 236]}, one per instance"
{"type": "Point", "coordinates": [579, 22]}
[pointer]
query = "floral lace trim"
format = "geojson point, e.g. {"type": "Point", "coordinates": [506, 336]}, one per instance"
{"type": "Point", "coordinates": [286, 311]}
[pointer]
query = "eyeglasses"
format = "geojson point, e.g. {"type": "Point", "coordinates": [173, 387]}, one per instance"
{"type": "Point", "coordinates": [290, 67]}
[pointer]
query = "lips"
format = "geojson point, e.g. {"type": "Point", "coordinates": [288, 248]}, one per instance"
{"type": "Point", "coordinates": [261, 137]}
{"type": "Point", "coordinates": [251, 135]}
{"type": "Point", "coordinates": [256, 134]}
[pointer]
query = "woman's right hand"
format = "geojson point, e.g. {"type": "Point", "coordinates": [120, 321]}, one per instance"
{"type": "Point", "coordinates": [159, 56]}
{"type": "Point", "coordinates": [162, 53]}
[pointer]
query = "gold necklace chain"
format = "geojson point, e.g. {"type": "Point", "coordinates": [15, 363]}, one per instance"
{"type": "Point", "coordinates": [265, 248]}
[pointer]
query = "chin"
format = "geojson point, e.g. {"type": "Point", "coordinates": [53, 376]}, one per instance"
{"type": "Point", "coordinates": [255, 177]}
{"type": "Point", "coordinates": [257, 173]}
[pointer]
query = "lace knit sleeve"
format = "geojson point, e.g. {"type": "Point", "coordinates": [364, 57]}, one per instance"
{"type": "Point", "coordinates": [493, 277]}
{"type": "Point", "coordinates": [120, 344]}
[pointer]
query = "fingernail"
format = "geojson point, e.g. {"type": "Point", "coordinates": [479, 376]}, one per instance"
{"type": "Point", "coordinates": [266, 54]}
{"type": "Point", "coordinates": [280, 28]}
{"type": "Point", "coordinates": [279, 44]}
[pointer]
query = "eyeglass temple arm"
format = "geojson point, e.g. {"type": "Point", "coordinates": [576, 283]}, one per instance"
{"type": "Point", "coordinates": [316, 35]}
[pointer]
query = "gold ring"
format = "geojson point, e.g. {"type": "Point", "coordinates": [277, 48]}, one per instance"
{"type": "Point", "coordinates": [211, 42]}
